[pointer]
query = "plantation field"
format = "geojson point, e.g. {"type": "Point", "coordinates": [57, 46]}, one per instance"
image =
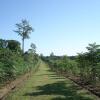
{"type": "Point", "coordinates": [46, 85]}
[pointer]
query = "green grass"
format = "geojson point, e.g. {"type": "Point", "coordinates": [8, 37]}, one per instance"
{"type": "Point", "coordinates": [46, 85]}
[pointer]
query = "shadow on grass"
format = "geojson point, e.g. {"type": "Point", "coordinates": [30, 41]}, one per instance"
{"type": "Point", "coordinates": [56, 77]}
{"type": "Point", "coordinates": [59, 88]}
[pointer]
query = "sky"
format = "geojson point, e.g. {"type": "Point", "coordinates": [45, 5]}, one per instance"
{"type": "Point", "coordinates": [64, 27]}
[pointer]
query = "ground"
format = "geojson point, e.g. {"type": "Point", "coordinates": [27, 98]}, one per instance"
{"type": "Point", "coordinates": [46, 85]}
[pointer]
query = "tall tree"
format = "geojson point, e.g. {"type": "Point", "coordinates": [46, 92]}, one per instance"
{"type": "Point", "coordinates": [93, 56]}
{"type": "Point", "coordinates": [23, 29]}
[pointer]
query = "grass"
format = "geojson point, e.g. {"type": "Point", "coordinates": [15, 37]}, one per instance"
{"type": "Point", "coordinates": [46, 85]}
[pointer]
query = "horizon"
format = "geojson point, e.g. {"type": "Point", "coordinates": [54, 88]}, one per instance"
{"type": "Point", "coordinates": [61, 26]}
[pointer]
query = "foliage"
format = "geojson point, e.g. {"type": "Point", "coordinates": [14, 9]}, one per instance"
{"type": "Point", "coordinates": [89, 63]}
{"type": "Point", "coordinates": [3, 43]}
{"type": "Point", "coordinates": [12, 62]}
{"type": "Point", "coordinates": [63, 64]}
{"type": "Point", "coordinates": [86, 65]}
{"type": "Point", "coordinates": [23, 29]}
{"type": "Point", "coordinates": [14, 45]}
{"type": "Point", "coordinates": [6, 64]}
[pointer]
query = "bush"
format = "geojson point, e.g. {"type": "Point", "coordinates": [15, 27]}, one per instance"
{"type": "Point", "coordinates": [6, 64]}
{"type": "Point", "coordinates": [13, 64]}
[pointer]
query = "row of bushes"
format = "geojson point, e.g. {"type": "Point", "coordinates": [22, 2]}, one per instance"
{"type": "Point", "coordinates": [13, 62]}
{"type": "Point", "coordinates": [86, 65]}
{"type": "Point", "coordinates": [63, 65]}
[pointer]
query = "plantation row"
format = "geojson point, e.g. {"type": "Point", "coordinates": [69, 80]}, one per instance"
{"type": "Point", "coordinates": [85, 66]}
{"type": "Point", "coordinates": [13, 62]}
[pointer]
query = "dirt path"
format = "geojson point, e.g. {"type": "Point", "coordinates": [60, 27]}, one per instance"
{"type": "Point", "coordinates": [46, 85]}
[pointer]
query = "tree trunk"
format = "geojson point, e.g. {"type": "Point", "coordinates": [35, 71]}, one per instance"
{"type": "Point", "coordinates": [94, 74]}
{"type": "Point", "coordinates": [23, 45]}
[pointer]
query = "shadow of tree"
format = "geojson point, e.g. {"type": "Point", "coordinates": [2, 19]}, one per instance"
{"type": "Point", "coordinates": [60, 88]}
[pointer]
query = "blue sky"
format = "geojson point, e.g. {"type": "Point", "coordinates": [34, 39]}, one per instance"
{"type": "Point", "coordinates": [61, 26]}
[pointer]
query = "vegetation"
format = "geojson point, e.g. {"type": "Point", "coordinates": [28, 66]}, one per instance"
{"type": "Point", "coordinates": [85, 66]}
{"type": "Point", "coordinates": [13, 61]}
{"type": "Point", "coordinates": [23, 29]}
{"type": "Point", "coordinates": [89, 64]}
{"type": "Point", "coordinates": [47, 85]}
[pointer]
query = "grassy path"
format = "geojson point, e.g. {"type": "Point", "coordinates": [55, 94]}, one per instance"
{"type": "Point", "coordinates": [46, 85]}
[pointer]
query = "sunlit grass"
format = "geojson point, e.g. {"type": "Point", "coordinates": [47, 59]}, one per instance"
{"type": "Point", "coordinates": [46, 85]}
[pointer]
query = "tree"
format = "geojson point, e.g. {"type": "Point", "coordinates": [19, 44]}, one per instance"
{"type": "Point", "coordinates": [14, 45]}
{"type": "Point", "coordinates": [23, 29]}
{"type": "Point", "coordinates": [93, 56]}
{"type": "Point", "coordinates": [33, 46]}
{"type": "Point", "coordinates": [51, 54]}
{"type": "Point", "coordinates": [32, 53]}
{"type": "Point", "coordinates": [3, 44]}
